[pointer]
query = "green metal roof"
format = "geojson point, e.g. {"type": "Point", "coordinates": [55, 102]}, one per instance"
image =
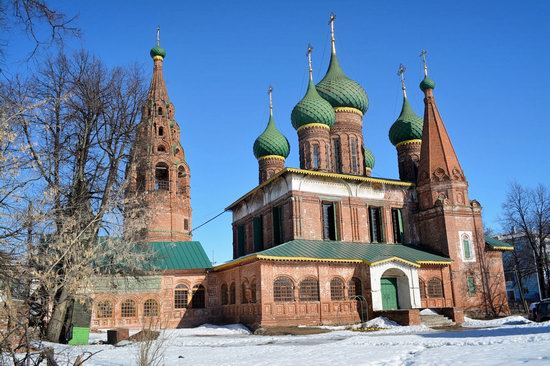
{"type": "Point", "coordinates": [427, 83]}
{"type": "Point", "coordinates": [408, 125]}
{"type": "Point", "coordinates": [372, 253]}
{"type": "Point", "coordinates": [341, 91]}
{"type": "Point", "coordinates": [312, 109]}
{"type": "Point", "coordinates": [271, 142]}
{"type": "Point", "coordinates": [179, 255]}
{"type": "Point", "coordinates": [497, 244]}
{"type": "Point", "coordinates": [369, 158]}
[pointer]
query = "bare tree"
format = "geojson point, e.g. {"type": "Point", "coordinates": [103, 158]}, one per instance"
{"type": "Point", "coordinates": [527, 211]}
{"type": "Point", "coordinates": [77, 136]}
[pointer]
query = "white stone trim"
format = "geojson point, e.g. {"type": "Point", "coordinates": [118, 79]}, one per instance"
{"type": "Point", "coordinates": [461, 247]}
{"type": "Point", "coordinates": [408, 289]}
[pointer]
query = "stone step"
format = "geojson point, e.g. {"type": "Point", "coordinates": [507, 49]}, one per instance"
{"type": "Point", "coordinates": [436, 321]}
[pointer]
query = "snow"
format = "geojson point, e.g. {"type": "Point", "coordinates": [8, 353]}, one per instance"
{"type": "Point", "coordinates": [428, 312]}
{"type": "Point", "coordinates": [381, 322]}
{"type": "Point", "coordinates": [510, 320]}
{"type": "Point", "coordinates": [506, 342]}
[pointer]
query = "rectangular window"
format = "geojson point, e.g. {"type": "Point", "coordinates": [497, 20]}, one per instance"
{"type": "Point", "coordinates": [241, 241]}
{"type": "Point", "coordinates": [471, 285]}
{"type": "Point", "coordinates": [337, 155]}
{"type": "Point", "coordinates": [327, 157]}
{"type": "Point", "coordinates": [397, 224]}
{"type": "Point", "coordinates": [277, 225]}
{"type": "Point", "coordinates": [330, 221]}
{"type": "Point", "coordinates": [376, 225]}
{"type": "Point", "coordinates": [316, 156]}
{"type": "Point", "coordinates": [258, 234]}
{"type": "Point", "coordinates": [353, 149]}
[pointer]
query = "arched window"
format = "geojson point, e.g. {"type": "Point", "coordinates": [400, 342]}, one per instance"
{"type": "Point", "coordinates": [161, 148]}
{"type": "Point", "coordinates": [224, 294]}
{"type": "Point", "coordinates": [283, 289]}
{"type": "Point", "coordinates": [198, 299]}
{"type": "Point", "coordinates": [253, 291]}
{"type": "Point", "coordinates": [181, 294]}
{"type": "Point", "coordinates": [162, 177]}
{"type": "Point", "coordinates": [160, 112]}
{"type": "Point", "coordinates": [336, 289]}
{"type": "Point", "coordinates": [309, 289]}
{"type": "Point", "coordinates": [104, 309]}
{"type": "Point", "coordinates": [435, 288]}
{"type": "Point", "coordinates": [467, 247]}
{"type": "Point", "coordinates": [422, 286]}
{"type": "Point", "coordinates": [128, 309]}
{"type": "Point", "coordinates": [244, 298]}
{"type": "Point", "coordinates": [354, 288]}
{"type": "Point", "coordinates": [232, 293]}
{"type": "Point", "coordinates": [161, 131]}
{"type": "Point", "coordinates": [150, 308]}
{"type": "Point", "coordinates": [182, 186]}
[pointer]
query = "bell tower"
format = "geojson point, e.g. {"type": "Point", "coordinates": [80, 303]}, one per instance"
{"type": "Point", "coordinates": [158, 174]}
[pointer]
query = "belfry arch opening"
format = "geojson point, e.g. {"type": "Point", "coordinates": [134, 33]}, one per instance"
{"type": "Point", "coordinates": [162, 177]}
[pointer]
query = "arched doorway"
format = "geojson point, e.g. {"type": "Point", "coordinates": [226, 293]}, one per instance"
{"type": "Point", "coordinates": [395, 290]}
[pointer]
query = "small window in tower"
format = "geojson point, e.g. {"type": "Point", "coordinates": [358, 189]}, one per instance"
{"type": "Point", "coordinates": [353, 148]}
{"type": "Point", "coordinates": [162, 177]}
{"type": "Point", "coordinates": [160, 111]}
{"type": "Point", "coordinates": [316, 157]}
{"type": "Point", "coordinates": [161, 148]}
{"type": "Point", "coordinates": [182, 186]}
{"type": "Point", "coordinates": [337, 165]}
{"type": "Point", "coordinates": [185, 224]}
{"type": "Point", "coordinates": [161, 131]}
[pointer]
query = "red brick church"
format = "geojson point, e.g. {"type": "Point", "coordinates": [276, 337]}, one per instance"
{"type": "Point", "coordinates": [325, 243]}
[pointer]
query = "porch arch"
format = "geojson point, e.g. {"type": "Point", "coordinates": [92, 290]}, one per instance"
{"type": "Point", "coordinates": [404, 278]}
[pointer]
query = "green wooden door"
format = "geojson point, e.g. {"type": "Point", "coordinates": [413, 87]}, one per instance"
{"type": "Point", "coordinates": [389, 293]}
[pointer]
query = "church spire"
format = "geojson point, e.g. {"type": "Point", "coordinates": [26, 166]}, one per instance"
{"type": "Point", "coordinates": [157, 90]}
{"type": "Point", "coordinates": [438, 160]}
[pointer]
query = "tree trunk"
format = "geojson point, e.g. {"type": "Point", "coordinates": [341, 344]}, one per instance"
{"type": "Point", "coordinates": [57, 320]}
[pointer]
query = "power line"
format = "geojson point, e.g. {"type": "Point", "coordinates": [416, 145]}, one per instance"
{"type": "Point", "coordinates": [207, 221]}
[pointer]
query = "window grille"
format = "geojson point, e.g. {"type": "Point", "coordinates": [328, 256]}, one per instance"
{"type": "Point", "coordinates": [435, 288]}
{"type": "Point", "coordinates": [162, 177]}
{"type": "Point", "coordinates": [309, 290]}
{"type": "Point", "coordinates": [283, 289]}
{"type": "Point", "coordinates": [336, 155]}
{"type": "Point", "coordinates": [104, 309]}
{"type": "Point", "coordinates": [336, 289]}
{"type": "Point", "coordinates": [316, 156]}
{"type": "Point", "coordinates": [353, 148]}
{"type": "Point", "coordinates": [128, 309]}
{"type": "Point", "coordinates": [354, 288]}
{"type": "Point", "coordinates": [180, 296]}
{"type": "Point", "coordinates": [150, 308]}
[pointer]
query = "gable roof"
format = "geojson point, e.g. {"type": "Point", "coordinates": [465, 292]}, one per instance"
{"type": "Point", "coordinates": [495, 244]}
{"type": "Point", "coordinates": [343, 252]}
{"type": "Point", "coordinates": [179, 255]}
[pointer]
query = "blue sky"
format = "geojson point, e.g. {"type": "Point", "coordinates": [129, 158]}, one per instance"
{"type": "Point", "coordinates": [489, 60]}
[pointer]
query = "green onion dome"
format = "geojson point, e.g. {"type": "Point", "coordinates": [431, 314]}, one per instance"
{"type": "Point", "coordinates": [312, 109]}
{"type": "Point", "coordinates": [158, 51]}
{"type": "Point", "coordinates": [408, 125]}
{"type": "Point", "coordinates": [341, 91]}
{"type": "Point", "coordinates": [369, 158]}
{"type": "Point", "coordinates": [427, 83]}
{"type": "Point", "coordinates": [271, 142]}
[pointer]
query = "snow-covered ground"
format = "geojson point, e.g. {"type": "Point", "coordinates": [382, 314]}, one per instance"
{"type": "Point", "coordinates": [509, 341]}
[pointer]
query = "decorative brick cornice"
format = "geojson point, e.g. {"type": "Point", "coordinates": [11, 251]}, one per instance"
{"type": "Point", "coordinates": [410, 142]}
{"type": "Point", "coordinates": [348, 110]}
{"type": "Point", "coordinates": [313, 125]}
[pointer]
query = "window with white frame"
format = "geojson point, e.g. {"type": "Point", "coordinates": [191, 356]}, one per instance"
{"type": "Point", "coordinates": [466, 246]}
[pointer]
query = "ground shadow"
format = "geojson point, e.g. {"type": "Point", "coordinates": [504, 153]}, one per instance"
{"type": "Point", "coordinates": [488, 332]}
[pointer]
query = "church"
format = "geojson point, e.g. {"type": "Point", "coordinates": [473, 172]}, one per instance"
{"type": "Point", "coordinates": [325, 243]}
